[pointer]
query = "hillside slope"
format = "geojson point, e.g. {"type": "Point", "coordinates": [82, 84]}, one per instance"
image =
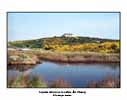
{"type": "Point", "coordinates": [40, 43]}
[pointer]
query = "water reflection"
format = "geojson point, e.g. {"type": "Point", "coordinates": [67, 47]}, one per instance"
{"type": "Point", "coordinates": [23, 70]}
{"type": "Point", "coordinates": [20, 68]}
{"type": "Point", "coordinates": [78, 75]}
{"type": "Point", "coordinates": [109, 65]}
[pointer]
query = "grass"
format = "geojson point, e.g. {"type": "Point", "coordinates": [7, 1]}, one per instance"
{"type": "Point", "coordinates": [35, 55]}
{"type": "Point", "coordinates": [75, 57]}
{"type": "Point", "coordinates": [36, 82]}
{"type": "Point", "coordinates": [25, 82]}
{"type": "Point", "coordinates": [61, 83]}
{"type": "Point", "coordinates": [107, 82]}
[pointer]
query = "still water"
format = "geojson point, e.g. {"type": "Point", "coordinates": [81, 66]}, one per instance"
{"type": "Point", "coordinates": [78, 75]}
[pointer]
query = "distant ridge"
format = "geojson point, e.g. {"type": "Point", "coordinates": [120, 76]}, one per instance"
{"type": "Point", "coordinates": [63, 40]}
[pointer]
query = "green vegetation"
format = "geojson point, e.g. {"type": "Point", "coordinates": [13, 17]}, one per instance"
{"type": "Point", "coordinates": [106, 47]}
{"type": "Point", "coordinates": [65, 49]}
{"type": "Point", "coordinates": [36, 82]}
{"type": "Point", "coordinates": [63, 44]}
{"type": "Point", "coordinates": [25, 81]}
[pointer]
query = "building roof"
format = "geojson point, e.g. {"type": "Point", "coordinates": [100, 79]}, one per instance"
{"type": "Point", "coordinates": [68, 34]}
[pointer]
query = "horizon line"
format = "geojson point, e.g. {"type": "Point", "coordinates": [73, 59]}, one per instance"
{"type": "Point", "coordinates": [61, 36]}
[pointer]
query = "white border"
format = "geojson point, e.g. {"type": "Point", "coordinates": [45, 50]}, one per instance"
{"type": "Point", "coordinates": [59, 5]}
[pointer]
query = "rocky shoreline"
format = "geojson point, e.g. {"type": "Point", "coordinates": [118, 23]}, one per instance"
{"type": "Point", "coordinates": [22, 58]}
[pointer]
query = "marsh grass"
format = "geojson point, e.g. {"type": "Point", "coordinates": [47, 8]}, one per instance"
{"type": "Point", "coordinates": [107, 82]}
{"type": "Point", "coordinates": [61, 83]}
{"type": "Point", "coordinates": [36, 82]}
{"type": "Point", "coordinates": [81, 57]}
{"type": "Point", "coordinates": [26, 82]}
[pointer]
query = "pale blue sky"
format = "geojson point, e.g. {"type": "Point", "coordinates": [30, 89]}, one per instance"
{"type": "Point", "coordinates": [23, 26]}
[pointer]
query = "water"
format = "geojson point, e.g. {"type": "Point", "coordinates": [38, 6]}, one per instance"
{"type": "Point", "coordinates": [78, 75]}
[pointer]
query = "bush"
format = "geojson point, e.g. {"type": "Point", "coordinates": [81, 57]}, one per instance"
{"type": "Point", "coordinates": [26, 82]}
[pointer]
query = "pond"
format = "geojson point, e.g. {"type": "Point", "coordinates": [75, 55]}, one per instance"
{"type": "Point", "coordinates": [78, 75]}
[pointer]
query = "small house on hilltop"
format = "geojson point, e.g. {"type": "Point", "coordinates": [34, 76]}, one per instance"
{"type": "Point", "coordinates": [68, 35]}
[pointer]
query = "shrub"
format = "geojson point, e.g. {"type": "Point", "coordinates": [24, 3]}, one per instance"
{"type": "Point", "coordinates": [26, 82]}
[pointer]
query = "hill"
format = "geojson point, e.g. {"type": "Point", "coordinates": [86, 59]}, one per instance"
{"type": "Point", "coordinates": [40, 43]}
{"type": "Point", "coordinates": [65, 49]}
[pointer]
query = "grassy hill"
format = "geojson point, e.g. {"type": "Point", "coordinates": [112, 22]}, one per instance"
{"type": "Point", "coordinates": [66, 49]}
{"type": "Point", "coordinates": [40, 43]}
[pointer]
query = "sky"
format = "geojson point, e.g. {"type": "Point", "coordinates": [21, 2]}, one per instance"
{"type": "Point", "coordinates": [25, 26]}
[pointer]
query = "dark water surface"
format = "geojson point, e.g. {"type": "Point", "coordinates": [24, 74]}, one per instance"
{"type": "Point", "coordinates": [78, 75]}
